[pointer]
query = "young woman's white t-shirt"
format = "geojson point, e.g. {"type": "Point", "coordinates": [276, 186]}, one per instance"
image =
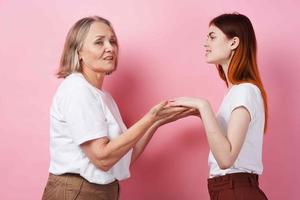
{"type": "Point", "coordinates": [79, 113]}
{"type": "Point", "coordinates": [250, 157]}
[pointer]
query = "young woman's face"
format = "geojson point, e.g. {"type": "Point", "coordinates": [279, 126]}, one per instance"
{"type": "Point", "coordinates": [218, 48]}
{"type": "Point", "coordinates": [99, 51]}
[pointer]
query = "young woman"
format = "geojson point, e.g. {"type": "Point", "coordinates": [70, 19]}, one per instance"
{"type": "Point", "coordinates": [235, 134]}
{"type": "Point", "coordinates": [90, 147]}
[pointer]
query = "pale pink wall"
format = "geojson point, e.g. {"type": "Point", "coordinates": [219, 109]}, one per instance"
{"type": "Point", "coordinates": [161, 57]}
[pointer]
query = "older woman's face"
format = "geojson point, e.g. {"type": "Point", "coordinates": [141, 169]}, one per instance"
{"type": "Point", "coordinates": [99, 51]}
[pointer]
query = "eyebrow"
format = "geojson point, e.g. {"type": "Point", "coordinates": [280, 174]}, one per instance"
{"type": "Point", "coordinates": [102, 36]}
{"type": "Point", "coordinates": [211, 33]}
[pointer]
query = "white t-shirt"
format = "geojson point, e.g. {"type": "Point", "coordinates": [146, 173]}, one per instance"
{"type": "Point", "coordinates": [250, 157]}
{"type": "Point", "coordinates": [79, 113]}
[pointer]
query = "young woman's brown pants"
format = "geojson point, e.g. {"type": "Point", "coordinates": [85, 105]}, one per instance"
{"type": "Point", "coordinates": [237, 186]}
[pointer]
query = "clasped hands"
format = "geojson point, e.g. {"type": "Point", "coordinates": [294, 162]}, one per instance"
{"type": "Point", "coordinates": [172, 110]}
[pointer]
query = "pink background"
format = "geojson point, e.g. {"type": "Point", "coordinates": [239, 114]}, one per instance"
{"type": "Point", "coordinates": [161, 57]}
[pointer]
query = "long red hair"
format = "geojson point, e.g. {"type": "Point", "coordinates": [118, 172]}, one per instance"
{"type": "Point", "coordinates": [243, 65]}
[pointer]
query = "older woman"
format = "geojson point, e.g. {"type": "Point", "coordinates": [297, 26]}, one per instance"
{"type": "Point", "coordinates": [91, 149]}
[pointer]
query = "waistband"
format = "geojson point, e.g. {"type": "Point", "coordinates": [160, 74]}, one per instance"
{"type": "Point", "coordinates": [230, 181]}
{"type": "Point", "coordinates": [78, 178]}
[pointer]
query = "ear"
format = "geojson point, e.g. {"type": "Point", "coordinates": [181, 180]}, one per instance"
{"type": "Point", "coordinates": [235, 41]}
{"type": "Point", "coordinates": [79, 55]}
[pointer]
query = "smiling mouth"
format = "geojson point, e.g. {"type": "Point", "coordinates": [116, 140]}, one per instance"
{"type": "Point", "coordinates": [108, 58]}
{"type": "Point", "coordinates": [207, 52]}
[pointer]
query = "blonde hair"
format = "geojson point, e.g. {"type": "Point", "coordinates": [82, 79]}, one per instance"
{"type": "Point", "coordinates": [69, 61]}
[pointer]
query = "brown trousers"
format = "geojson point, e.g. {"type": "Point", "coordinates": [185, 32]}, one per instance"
{"type": "Point", "coordinates": [74, 187]}
{"type": "Point", "coordinates": [237, 186]}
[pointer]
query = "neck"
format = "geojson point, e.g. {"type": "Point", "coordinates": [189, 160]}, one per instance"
{"type": "Point", "coordinates": [94, 78]}
{"type": "Point", "coordinates": [225, 66]}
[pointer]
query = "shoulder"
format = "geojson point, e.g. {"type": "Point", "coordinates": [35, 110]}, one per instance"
{"type": "Point", "coordinates": [75, 86]}
{"type": "Point", "coordinates": [246, 95]}
{"type": "Point", "coordinates": [245, 89]}
{"type": "Point", "coordinates": [73, 81]}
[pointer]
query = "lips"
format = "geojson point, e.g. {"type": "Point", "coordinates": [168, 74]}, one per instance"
{"type": "Point", "coordinates": [108, 58]}
{"type": "Point", "coordinates": [207, 52]}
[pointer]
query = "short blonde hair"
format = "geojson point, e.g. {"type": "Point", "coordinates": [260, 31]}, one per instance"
{"type": "Point", "coordinates": [69, 61]}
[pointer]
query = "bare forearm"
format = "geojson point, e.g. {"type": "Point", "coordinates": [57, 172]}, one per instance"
{"type": "Point", "coordinates": [218, 142]}
{"type": "Point", "coordinates": [142, 143]}
{"type": "Point", "coordinates": [117, 148]}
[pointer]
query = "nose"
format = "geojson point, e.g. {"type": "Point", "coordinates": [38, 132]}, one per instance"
{"type": "Point", "coordinates": [206, 44]}
{"type": "Point", "coordinates": [109, 47]}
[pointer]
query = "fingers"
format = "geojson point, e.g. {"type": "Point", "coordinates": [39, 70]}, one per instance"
{"type": "Point", "coordinates": [181, 114]}
{"type": "Point", "coordinates": [177, 108]}
{"type": "Point", "coordinates": [175, 116]}
{"type": "Point", "coordinates": [173, 103]}
{"type": "Point", "coordinates": [181, 101]}
{"type": "Point", "coordinates": [171, 111]}
{"type": "Point", "coordinates": [186, 113]}
{"type": "Point", "coordinates": [161, 105]}
{"type": "Point", "coordinates": [157, 108]}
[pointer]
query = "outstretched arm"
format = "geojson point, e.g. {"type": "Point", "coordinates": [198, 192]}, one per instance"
{"type": "Point", "coordinates": [224, 146]}
{"type": "Point", "coordinates": [104, 153]}
{"type": "Point", "coordinates": [142, 143]}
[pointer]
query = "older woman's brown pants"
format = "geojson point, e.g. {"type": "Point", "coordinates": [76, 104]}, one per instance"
{"type": "Point", "coordinates": [73, 186]}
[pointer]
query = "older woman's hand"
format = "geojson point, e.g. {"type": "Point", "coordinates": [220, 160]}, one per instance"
{"type": "Point", "coordinates": [163, 110]}
{"type": "Point", "coordinates": [175, 115]}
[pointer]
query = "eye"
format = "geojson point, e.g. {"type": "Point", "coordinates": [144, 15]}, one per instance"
{"type": "Point", "coordinates": [212, 37]}
{"type": "Point", "coordinates": [99, 42]}
{"type": "Point", "coordinates": [113, 41]}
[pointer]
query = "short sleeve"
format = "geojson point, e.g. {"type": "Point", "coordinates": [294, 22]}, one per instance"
{"type": "Point", "coordinates": [84, 114]}
{"type": "Point", "coordinates": [243, 96]}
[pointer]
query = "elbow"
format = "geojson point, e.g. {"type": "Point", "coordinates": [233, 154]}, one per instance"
{"type": "Point", "coordinates": [103, 163]}
{"type": "Point", "coordinates": [104, 166]}
{"type": "Point", "coordinates": [225, 164]}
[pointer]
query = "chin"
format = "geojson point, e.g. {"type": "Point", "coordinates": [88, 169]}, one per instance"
{"type": "Point", "coordinates": [209, 61]}
{"type": "Point", "coordinates": [105, 70]}
{"type": "Point", "coordinates": [212, 61]}
{"type": "Point", "coordinates": [111, 70]}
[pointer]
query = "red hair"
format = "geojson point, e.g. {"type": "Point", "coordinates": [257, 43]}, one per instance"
{"type": "Point", "coordinates": [243, 65]}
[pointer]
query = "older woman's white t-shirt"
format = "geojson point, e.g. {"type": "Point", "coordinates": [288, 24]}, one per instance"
{"type": "Point", "coordinates": [79, 113]}
{"type": "Point", "coordinates": [250, 157]}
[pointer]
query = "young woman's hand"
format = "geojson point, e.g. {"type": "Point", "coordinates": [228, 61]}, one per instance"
{"type": "Point", "coordinates": [188, 102]}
